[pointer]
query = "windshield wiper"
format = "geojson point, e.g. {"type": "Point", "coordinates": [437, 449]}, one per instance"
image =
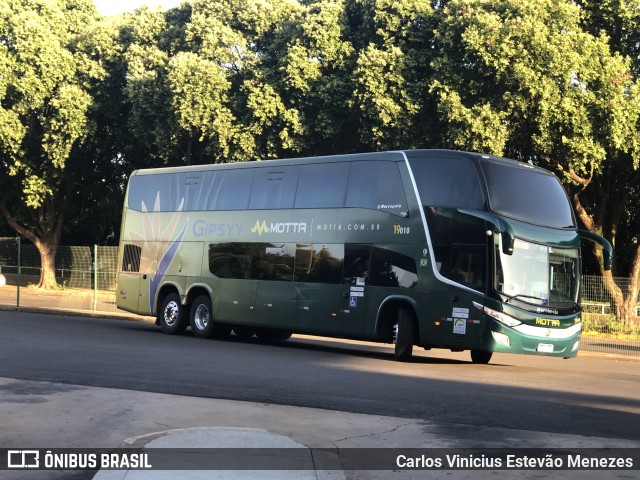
{"type": "Point", "coordinates": [519, 296]}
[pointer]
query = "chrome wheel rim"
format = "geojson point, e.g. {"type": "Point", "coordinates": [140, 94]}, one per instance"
{"type": "Point", "coordinates": [201, 317]}
{"type": "Point", "coordinates": [171, 313]}
{"type": "Point", "coordinates": [395, 334]}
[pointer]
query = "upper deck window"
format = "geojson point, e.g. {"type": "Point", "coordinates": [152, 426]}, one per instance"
{"type": "Point", "coordinates": [376, 185]}
{"type": "Point", "coordinates": [322, 185]}
{"type": "Point", "coordinates": [215, 190]}
{"type": "Point", "coordinates": [149, 193]}
{"type": "Point", "coordinates": [527, 194]}
{"type": "Point", "coordinates": [448, 182]}
{"type": "Point", "coordinates": [274, 187]}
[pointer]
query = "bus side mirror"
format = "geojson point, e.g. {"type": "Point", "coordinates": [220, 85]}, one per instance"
{"type": "Point", "coordinates": [508, 237]}
{"type": "Point", "coordinates": [607, 249]}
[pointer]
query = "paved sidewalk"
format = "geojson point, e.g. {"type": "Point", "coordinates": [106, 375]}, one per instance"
{"type": "Point", "coordinates": [236, 440]}
{"type": "Point", "coordinates": [53, 415]}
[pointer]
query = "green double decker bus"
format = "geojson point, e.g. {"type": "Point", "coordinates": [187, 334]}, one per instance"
{"type": "Point", "coordinates": [427, 248]}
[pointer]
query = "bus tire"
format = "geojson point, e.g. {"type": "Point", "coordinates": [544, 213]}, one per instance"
{"type": "Point", "coordinates": [201, 320]}
{"type": "Point", "coordinates": [171, 314]}
{"type": "Point", "coordinates": [403, 335]}
{"type": "Point", "coordinates": [481, 356]}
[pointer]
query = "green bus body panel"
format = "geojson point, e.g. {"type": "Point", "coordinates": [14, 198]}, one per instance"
{"type": "Point", "coordinates": [171, 250]}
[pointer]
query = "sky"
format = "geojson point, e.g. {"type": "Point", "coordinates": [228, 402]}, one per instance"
{"type": "Point", "coordinates": [111, 7]}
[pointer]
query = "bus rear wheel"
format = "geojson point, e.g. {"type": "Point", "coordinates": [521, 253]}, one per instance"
{"type": "Point", "coordinates": [403, 335]}
{"type": "Point", "coordinates": [201, 320]}
{"type": "Point", "coordinates": [171, 315]}
{"type": "Point", "coordinates": [481, 356]}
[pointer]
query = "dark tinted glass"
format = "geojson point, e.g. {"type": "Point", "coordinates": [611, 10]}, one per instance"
{"type": "Point", "coordinates": [274, 187]}
{"type": "Point", "coordinates": [459, 246]}
{"type": "Point", "coordinates": [468, 265]}
{"type": "Point", "coordinates": [272, 262]}
{"type": "Point", "coordinates": [356, 264]}
{"type": "Point", "coordinates": [319, 264]}
{"type": "Point", "coordinates": [448, 182]}
{"type": "Point", "coordinates": [528, 195]}
{"type": "Point", "coordinates": [230, 260]}
{"type": "Point", "coordinates": [250, 260]}
{"type": "Point", "coordinates": [322, 185]}
{"type": "Point", "coordinates": [447, 226]}
{"type": "Point", "coordinates": [392, 269]}
{"type": "Point", "coordinates": [376, 185]}
{"type": "Point", "coordinates": [148, 193]}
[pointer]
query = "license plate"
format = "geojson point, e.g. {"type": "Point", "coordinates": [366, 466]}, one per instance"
{"type": "Point", "coordinates": [545, 347]}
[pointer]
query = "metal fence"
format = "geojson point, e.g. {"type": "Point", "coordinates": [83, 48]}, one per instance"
{"type": "Point", "coordinates": [87, 282]}
{"type": "Point", "coordinates": [86, 277]}
{"type": "Point", "coordinates": [603, 331]}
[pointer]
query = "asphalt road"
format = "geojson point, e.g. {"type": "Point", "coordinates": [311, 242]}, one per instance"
{"type": "Point", "coordinates": [590, 396]}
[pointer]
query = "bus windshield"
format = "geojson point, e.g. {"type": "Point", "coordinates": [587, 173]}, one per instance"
{"type": "Point", "coordinates": [538, 274]}
{"type": "Point", "coordinates": [526, 194]}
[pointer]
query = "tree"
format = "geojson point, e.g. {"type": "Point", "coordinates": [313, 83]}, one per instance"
{"type": "Point", "coordinates": [43, 116]}
{"type": "Point", "coordinates": [311, 69]}
{"type": "Point", "coordinates": [196, 86]}
{"type": "Point", "coordinates": [391, 68]}
{"type": "Point", "coordinates": [525, 80]}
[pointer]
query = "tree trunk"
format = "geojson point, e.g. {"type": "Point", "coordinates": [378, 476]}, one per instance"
{"type": "Point", "coordinates": [46, 240]}
{"type": "Point", "coordinates": [47, 265]}
{"type": "Point", "coordinates": [623, 303]}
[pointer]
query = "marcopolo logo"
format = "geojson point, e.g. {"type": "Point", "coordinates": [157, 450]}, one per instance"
{"type": "Point", "coordinates": [279, 227]}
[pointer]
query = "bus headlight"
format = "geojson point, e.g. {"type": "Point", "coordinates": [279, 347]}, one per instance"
{"type": "Point", "coordinates": [501, 317]}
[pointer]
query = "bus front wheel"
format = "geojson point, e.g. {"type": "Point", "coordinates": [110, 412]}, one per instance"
{"type": "Point", "coordinates": [201, 320]}
{"type": "Point", "coordinates": [171, 315]}
{"type": "Point", "coordinates": [403, 335]}
{"type": "Point", "coordinates": [480, 356]}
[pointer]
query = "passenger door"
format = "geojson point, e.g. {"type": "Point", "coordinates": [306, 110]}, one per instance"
{"type": "Point", "coordinates": [275, 296]}
{"type": "Point", "coordinates": [331, 288]}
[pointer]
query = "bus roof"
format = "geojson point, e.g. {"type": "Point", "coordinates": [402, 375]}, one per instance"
{"type": "Point", "coordinates": [391, 155]}
{"type": "Point", "coordinates": [387, 155]}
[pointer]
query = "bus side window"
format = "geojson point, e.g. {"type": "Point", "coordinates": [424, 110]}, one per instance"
{"type": "Point", "coordinates": [150, 193]}
{"type": "Point", "coordinates": [322, 185]}
{"type": "Point", "coordinates": [274, 187]}
{"type": "Point", "coordinates": [392, 269]}
{"type": "Point", "coordinates": [319, 263]}
{"type": "Point", "coordinates": [230, 260]}
{"type": "Point", "coordinates": [459, 246]}
{"type": "Point", "coordinates": [230, 189]}
{"type": "Point", "coordinates": [468, 265]}
{"type": "Point", "coordinates": [377, 186]}
{"type": "Point", "coordinates": [356, 264]}
{"type": "Point", "coordinates": [272, 262]}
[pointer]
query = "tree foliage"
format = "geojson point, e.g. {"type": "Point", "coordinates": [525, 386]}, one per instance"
{"type": "Point", "coordinates": [84, 100]}
{"type": "Point", "coordinates": [44, 105]}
